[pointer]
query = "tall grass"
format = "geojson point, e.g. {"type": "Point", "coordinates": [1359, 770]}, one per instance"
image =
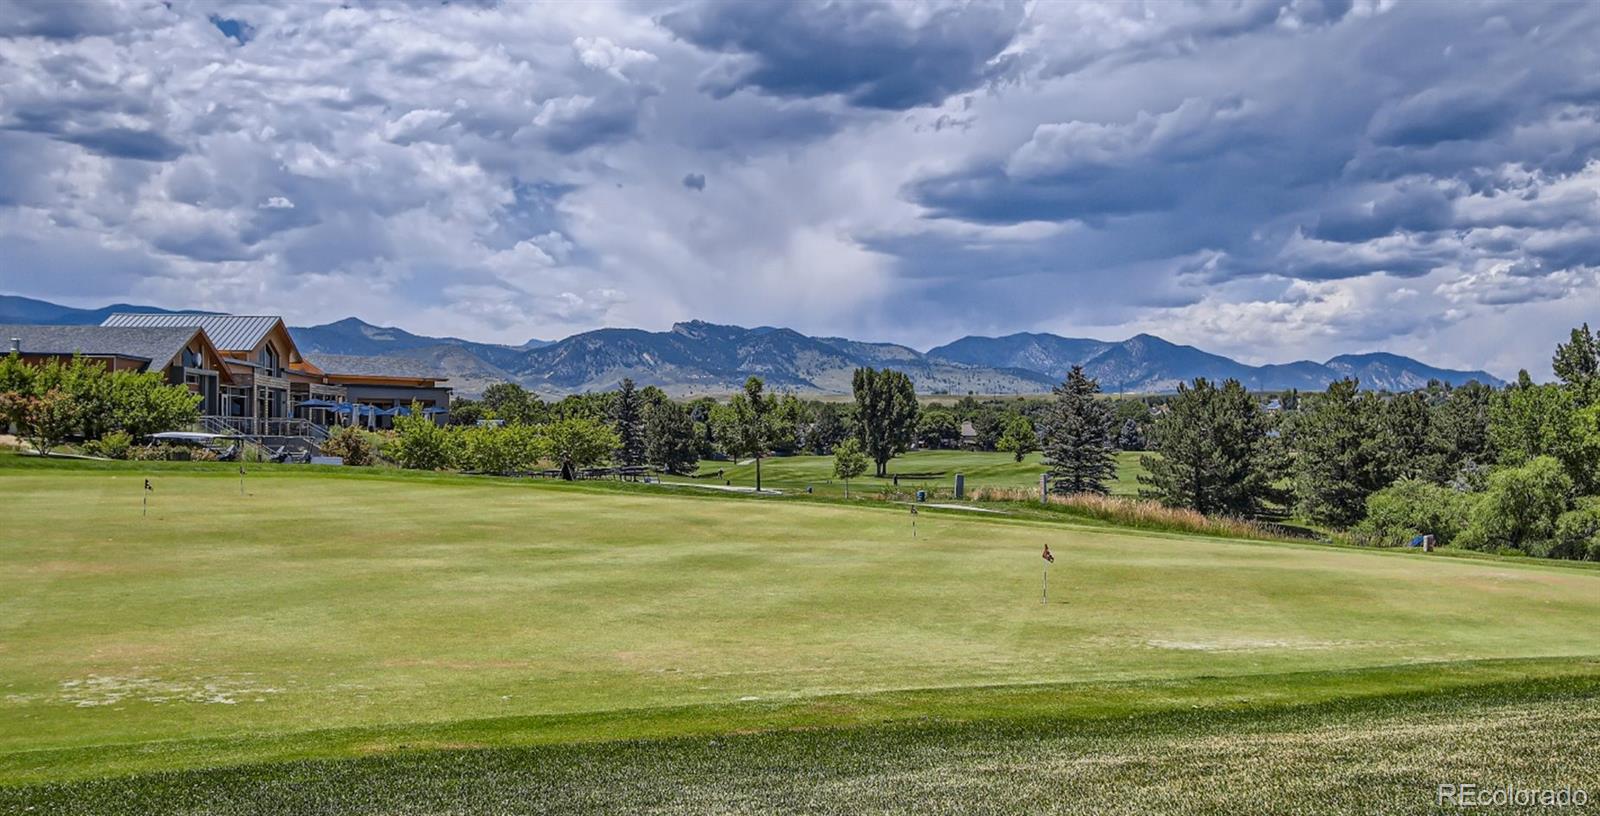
{"type": "Point", "coordinates": [1139, 513]}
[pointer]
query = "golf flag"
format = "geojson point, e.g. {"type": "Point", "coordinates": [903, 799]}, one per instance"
{"type": "Point", "coordinates": [1047, 556]}
{"type": "Point", "coordinates": [147, 485]}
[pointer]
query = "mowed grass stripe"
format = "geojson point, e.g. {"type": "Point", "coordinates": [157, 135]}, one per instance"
{"type": "Point", "coordinates": [1386, 754]}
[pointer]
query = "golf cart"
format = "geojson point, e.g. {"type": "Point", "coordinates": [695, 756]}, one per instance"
{"type": "Point", "coordinates": [226, 448]}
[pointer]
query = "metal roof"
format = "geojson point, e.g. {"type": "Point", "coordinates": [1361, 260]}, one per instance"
{"type": "Point", "coordinates": [227, 332]}
{"type": "Point", "coordinates": [156, 344]}
{"type": "Point", "coordinates": [359, 366]}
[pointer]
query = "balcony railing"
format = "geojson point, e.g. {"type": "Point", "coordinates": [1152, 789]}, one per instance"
{"type": "Point", "coordinates": [251, 426]}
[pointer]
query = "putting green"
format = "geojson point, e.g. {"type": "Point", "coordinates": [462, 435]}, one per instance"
{"type": "Point", "coordinates": [331, 600]}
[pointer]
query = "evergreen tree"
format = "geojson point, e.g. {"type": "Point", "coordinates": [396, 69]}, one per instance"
{"type": "Point", "coordinates": [1407, 423]}
{"type": "Point", "coordinates": [1458, 433]}
{"type": "Point", "coordinates": [1077, 437]}
{"type": "Point", "coordinates": [670, 443]}
{"type": "Point", "coordinates": [886, 413]}
{"type": "Point", "coordinates": [1131, 436]}
{"type": "Point", "coordinates": [1342, 454]}
{"type": "Point", "coordinates": [1213, 451]}
{"type": "Point", "coordinates": [1577, 364]}
{"type": "Point", "coordinates": [627, 420]}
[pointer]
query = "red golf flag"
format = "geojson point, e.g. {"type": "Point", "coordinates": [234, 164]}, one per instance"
{"type": "Point", "coordinates": [1047, 555]}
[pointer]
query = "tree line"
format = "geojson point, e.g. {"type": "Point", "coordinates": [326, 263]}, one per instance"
{"type": "Point", "coordinates": [1514, 470]}
{"type": "Point", "coordinates": [57, 400]}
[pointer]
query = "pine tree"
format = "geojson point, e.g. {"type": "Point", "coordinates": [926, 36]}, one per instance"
{"type": "Point", "coordinates": [627, 419]}
{"type": "Point", "coordinates": [1577, 364]}
{"type": "Point", "coordinates": [1077, 437]}
{"type": "Point", "coordinates": [1342, 454]}
{"type": "Point", "coordinates": [1212, 445]}
{"type": "Point", "coordinates": [670, 442]}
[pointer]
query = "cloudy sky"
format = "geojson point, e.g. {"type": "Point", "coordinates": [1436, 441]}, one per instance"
{"type": "Point", "coordinates": [1271, 180]}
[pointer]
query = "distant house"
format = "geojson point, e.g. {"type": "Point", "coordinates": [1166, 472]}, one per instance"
{"type": "Point", "coordinates": [279, 390]}
{"type": "Point", "coordinates": [251, 376]}
{"type": "Point", "coordinates": [183, 355]}
{"type": "Point", "coordinates": [1274, 405]}
{"type": "Point", "coordinates": [969, 436]}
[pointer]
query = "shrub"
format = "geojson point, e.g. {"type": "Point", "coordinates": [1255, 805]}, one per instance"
{"type": "Point", "coordinates": [115, 445]}
{"type": "Point", "coordinates": [1412, 507]}
{"type": "Point", "coordinates": [1520, 507]}
{"type": "Point", "coordinates": [421, 445]}
{"type": "Point", "coordinates": [171, 453]}
{"type": "Point", "coordinates": [502, 450]}
{"type": "Point", "coordinates": [1578, 532]}
{"type": "Point", "coordinates": [351, 444]}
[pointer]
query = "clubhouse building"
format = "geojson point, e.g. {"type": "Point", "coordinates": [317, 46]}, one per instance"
{"type": "Point", "coordinates": [251, 376]}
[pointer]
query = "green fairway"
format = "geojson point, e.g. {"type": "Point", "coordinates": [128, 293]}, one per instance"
{"type": "Point", "coordinates": [334, 613]}
{"type": "Point", "coordinates": [933, 470]}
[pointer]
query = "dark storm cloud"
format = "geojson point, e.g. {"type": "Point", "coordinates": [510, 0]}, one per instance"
{"type": "Point", "coordinates": [695, 181]}
{"type": "Point", "coordinates": [126, 143]}
{"type": "Point", "coordinates": [64, 20]}
{"type": "Point", "coordinates": [870, 53]}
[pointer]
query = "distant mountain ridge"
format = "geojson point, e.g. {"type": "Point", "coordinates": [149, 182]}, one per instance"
{"type": "Point", "coordinates": [697, 357]}
{"type": "Point", "coordinates": [1146, 363]}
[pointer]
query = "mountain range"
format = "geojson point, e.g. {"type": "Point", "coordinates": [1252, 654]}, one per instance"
{"type": "Point", "coordinates": [697, 357]}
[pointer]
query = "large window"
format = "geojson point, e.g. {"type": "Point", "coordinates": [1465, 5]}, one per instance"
{"type": "Point", "coordinates": [269, 360]}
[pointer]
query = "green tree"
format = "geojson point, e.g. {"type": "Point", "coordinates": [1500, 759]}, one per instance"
{"type": "Point", "coordinates": [1413, 507]}
{"type": "Point", "coordinates": [1520, 508]}
{"type": "Point", "coordinates": [1458, 433]}
{"type": "Point", "coordinates": [1577, 364]}
{"type": "Point", "coordinates": [512, 403]}
{"type": "Point", "coordinates": [465, 411]}
{"type": "Point", "coordinates": [504, 450]}
{"type": "Point", "coordinates": [1408, 423]}
{"type": "Point", "coordinates": [938, 429]}
{"type": "Point", "coordinates": [670, 443]}
{"type": "Point", "coordinates": [1527, 421]}
{"type": "Point", "coordinates": [788, 424]}
{"type": "Point", "coordinates": [848, 462]}
{"type": "Point", "coordinates": [627, 420]}
{"type": "Point", "coordinates": [142, 404]}
{"type": "Point", "coordinates": [744, 424]}
{"type": "Point", "coordinates": [577, 442]}
{"type": "Point", "coordinates": [886, 413]}
{"type": "Point", "coordinates": [1019, 438]}
{"type": "Point", "coordinates": [16, 386]}
{"type": "Point", "coordinates": [50, 418]}
{"type": "Point", "coordinates": [1213, 451]}
{"type": "Point", "coordinates": [1077, 437]}
{"type": "Point", "coordinates": [1342, 453]}
{"type": "Point", "coordinates": [827, 429]}
{"type": "Point", "coordinates": [419, 444]}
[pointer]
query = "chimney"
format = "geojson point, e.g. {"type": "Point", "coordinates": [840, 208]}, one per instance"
{"type": "Point", "coordinates": [16, 345]}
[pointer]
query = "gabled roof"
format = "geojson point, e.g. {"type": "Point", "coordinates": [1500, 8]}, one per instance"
{"type": "Point", "coordinates": [352, 365]}
{"type": "Point", "coordinates": [153, 344]}
{"type": "Point", "coordinates": [228, 332]}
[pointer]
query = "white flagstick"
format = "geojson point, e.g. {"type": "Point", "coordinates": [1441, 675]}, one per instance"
{"type": "Point", "coordinates": [1044, 587]}
{"type": "Point", "coordinates": [241, 480]}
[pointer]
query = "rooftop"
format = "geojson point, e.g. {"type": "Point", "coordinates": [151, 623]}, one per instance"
{"type": "Point", "coordinates": [227, 332]}
{"type": "Point", "coordinates": [156, 344]}
{"type": "Point", "coordinates": [359, 366]}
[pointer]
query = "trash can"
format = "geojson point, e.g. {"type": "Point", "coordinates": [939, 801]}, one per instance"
{"type": "Point", "coordinates": [961, 485]}
{"type": "Point", "coordinates": [922, 495]}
